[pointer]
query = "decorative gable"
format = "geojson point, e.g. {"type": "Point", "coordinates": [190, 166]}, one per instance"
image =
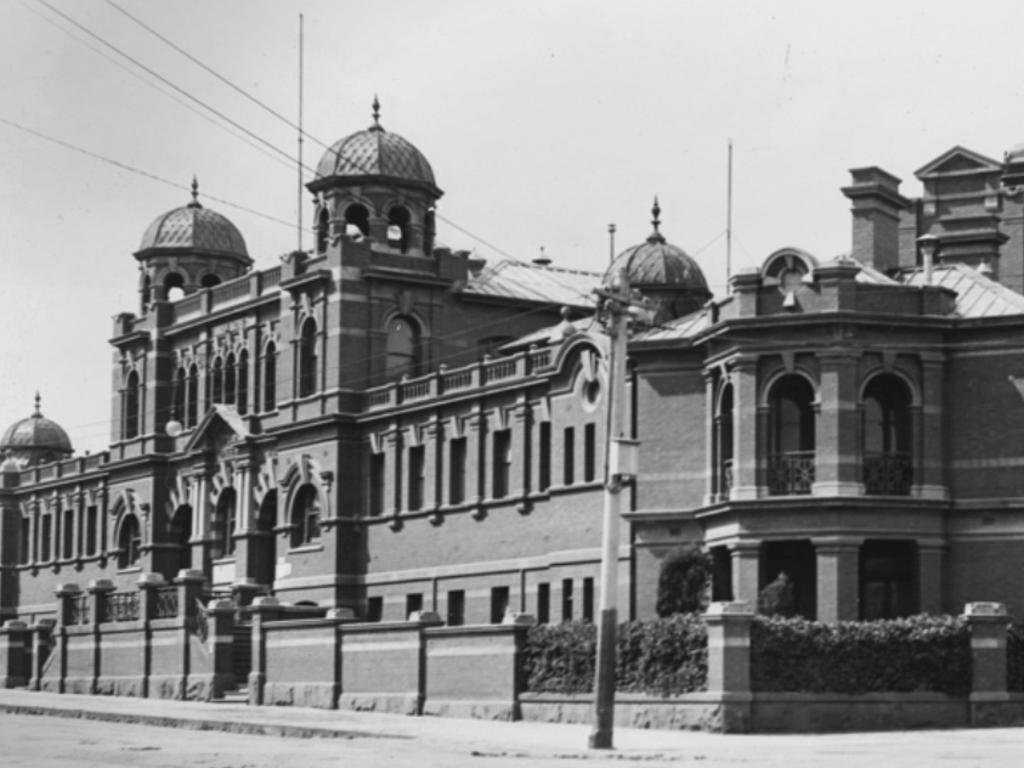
{"type": "Point", "coordinates": [220, 427]}
{"type": "Point", "coordinates": [958, 161]}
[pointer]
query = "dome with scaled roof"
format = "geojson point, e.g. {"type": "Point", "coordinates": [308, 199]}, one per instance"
{"type": "Point", "coordinates": [663, 272]}
{"type": "Point", "coordinates": [194, 228]}
{"type": "Point", "coordinates": [35, 440]}
{"type": "Point", "coordinates": [376, 152]}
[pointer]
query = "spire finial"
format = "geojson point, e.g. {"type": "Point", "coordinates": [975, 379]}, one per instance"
{"type": "Point", "coordinates": [656, 236]}
{"type": "Point", "coordinates": [376, 114]}
{"type": "Point", "coordinates": [38, 400]}
{"type": "Point", "coordinates": [195, 193]}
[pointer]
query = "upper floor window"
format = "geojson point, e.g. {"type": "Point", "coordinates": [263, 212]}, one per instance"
{"type": "Point", "coordinates": [178, 397]}
{"type": "Point", "coordinates": [723, 441]}
{"type": "Point", "coordinates": [791, 436]}
{"type": "Point", "coordinates": [224, 521]}
{"type": "Point", "coordinates": [501, 470]}
{"type": "Point", "coordinates": [243, 382]}
{"type": "Point", "coordinates": [229, 379]}
{"type": "Point", "coordinates": [131, 406]}
{"type": "Point", "coordinates": [217, 380]}
{"type": "Point", "coordinates": [192, 397]}
{"type": "Point", "coordinates": [270, 378]}
{"type": "Point", "coordinates": [307, 358]}
{"type": "Point", "coordinates": [887, 429]}
{"type": "Point", "coordinates": [305, 516]}
{"type": "Point", "coordinates": [403, 347]}
{"type": "Point", "coordinates": [322, 224]}
{"type": "Point", "coordinates": [129, 542]}
{"type": "Point", "coordinates": [357, 221]}
{"type": "Point", "coordinates": [398, 228]}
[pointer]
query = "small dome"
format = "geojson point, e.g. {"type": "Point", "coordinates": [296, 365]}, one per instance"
{"type": "Point", "coordinates": [196, 228]}
{"type": "Point", "coordinates": [1015, 154]}
{"type": "Point", "coordinates": [376, 152]}
{"type": "Point", "coordinates": [35, 440]}
{"type": "Point", "coordinates": [657, 264]}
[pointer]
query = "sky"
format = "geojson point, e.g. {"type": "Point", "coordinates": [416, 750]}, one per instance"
{"type": "Point", "coordinates": [543, 121]}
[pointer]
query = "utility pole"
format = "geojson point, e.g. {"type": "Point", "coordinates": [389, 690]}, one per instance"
{"type": "Point", "coordinates": [620, 468]}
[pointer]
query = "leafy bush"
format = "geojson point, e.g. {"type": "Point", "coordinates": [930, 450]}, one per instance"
{"type": "Point", "coordinates": [777, 598]}
{"type": "Point", "coordinates": [657, 656]}
{"type": "Point", "coordinates": [920, 653]}
{"type": "Point", "coordinates": [1015, 658]}
{"type": "Point", "coordinates": [684, 581]}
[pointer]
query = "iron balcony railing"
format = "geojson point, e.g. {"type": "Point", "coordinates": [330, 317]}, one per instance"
{"type": "Point", "coordinates": [889, 474]}
{"type": "Point", "coordinates": [790, 473]}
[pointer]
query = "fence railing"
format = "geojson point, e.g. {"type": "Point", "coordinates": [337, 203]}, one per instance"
{"type": "Point", "coordinates": [165, 603]}
{"type": "Point", "coordinates": [121, 606]}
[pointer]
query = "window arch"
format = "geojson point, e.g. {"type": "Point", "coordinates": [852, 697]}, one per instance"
{"type": "Point", "coordinates": [322, 225]}
{"type": "Point", "coordinates": [305, 518]}
{"type": "Point", "coordinates": [209, 281]}
{"type": "Point", "coordinates": [404, 347]}
{"type": "Point", "coordinates": [129, 541]}
{"type": "Point", "coordinates": [192, 397]}
{"type": "Point", "coordinates": [357, 220]}
{"type": "Point", "coordinates": [886, 436]}
{"type": "Point", "coordinates": [243, 382]}
{"type": "Point", "coordinates": [131, 405]}
{"type": "Point", "coordinates": [270, 378]}
{"type": "Point", "coordinates": [224, 519]}
{"type": "Point", "coordinates": [217, 380]}
{"type": "Point", "coordinates": [724, 440]}
{"type": "Point", "coordinates": [791, 436]}
{"type": "Point", "coordinates": [178, 398]}
{"type": "Point", "coordinates": [307, 358]}
{"type": "Point", "coordinates": [398, 228]}
{"type": "Point", "coordinates": [229, 379]}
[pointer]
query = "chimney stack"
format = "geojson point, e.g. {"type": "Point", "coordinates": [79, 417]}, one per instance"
{"type": "Point", "coordinates": [877, 204]}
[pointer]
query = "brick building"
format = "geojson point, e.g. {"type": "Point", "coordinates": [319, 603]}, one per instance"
{"type": "Point", "coordinates": [385, 425]}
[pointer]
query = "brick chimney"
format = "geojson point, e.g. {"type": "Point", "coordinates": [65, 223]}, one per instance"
{"type": "Point", "coordinates": [877, 204]}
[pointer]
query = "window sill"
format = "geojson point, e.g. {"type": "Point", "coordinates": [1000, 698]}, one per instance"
{"type": "Point", "coordinates": [129, 569]}
{"type": "Point", "coordinates": [306, 548]}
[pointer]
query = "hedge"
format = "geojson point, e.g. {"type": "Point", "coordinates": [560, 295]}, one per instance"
{"type": "Point", "coordinates": [661, 657]}
{"type": "Point", "coordinates": [1015, 658]}
{"type": "Point", "coordinates": [920, 653]}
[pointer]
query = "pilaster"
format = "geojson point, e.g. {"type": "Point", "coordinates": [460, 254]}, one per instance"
{"type": "Point", "coordinates": [838, 566]}
{"type": "Point", "coordinates": [837, 470]}
{"type": "Point", "coordinates": [746, 480]}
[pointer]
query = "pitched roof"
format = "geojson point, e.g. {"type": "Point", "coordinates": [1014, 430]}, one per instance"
{"type": "Point", "coordinates": [976, 295]}
{"type": "Point", "coordinates": [532, 282]}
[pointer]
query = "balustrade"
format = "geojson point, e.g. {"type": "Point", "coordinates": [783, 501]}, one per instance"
{"type": "Point", "coordinates": [165, 603]}
{"type": "Point", "coordinates": [790, 473]}
{"type": "Point", "coordinates": [888, 473]}
{"type": "Point", "coordinates": [121, 606]}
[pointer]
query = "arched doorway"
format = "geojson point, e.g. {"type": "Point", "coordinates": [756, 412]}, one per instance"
{"type": "Point", "coordinates": [264, 549]}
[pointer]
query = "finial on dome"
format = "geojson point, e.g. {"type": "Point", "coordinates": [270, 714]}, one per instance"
{"type": "Point", "coordinates": [195, 193]}
{"type": "Point", "coordinates": [38, 400]}
{"type": "Point", "coordinates": [376, 115]}
{"type": "Point", "coordinates": [656, 236]}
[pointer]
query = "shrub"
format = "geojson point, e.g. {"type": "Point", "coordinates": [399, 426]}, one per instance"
{"type": "Point", "coordinates": [1015, 658]}
{"type": "Point", "coordinates": [777, 598]}
{"type": "Point", "coordinates": [684, 581]}
{"type": "Point", "coordinates": [657, 656]}
{"type": "Point", "coordinates": [920, 653]}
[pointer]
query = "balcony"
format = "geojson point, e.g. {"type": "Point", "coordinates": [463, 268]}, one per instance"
{"type": "Point", "coordinates": [790, 473]}
{"type": "Point", "coordinates": [890, 474]}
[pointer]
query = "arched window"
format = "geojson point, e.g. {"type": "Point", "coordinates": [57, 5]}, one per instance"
{"type": "Point", "coordinates": [403, 347]}
{"type": "Point", "coordinates": [174, 286]}
{"type": "Point", "coordinates": [791, 435]}
{"type": "Point", "coordinates": [398, 228]}
{"type": "Point", "coordinates": [888, 464]}
{"type": "Point", "coordinates": [322, 225]}
{"type": "Point", "coordinates": [131, 406]}
{"type": "Point", "coordinates": [305, 517]}
{"type": "Point", "coordinates": [270, 378]}
{"type": "Point", "coordinates": [178, 398]}
{"type": "Point", "coordinates": [217, 380]}
{"type": "Point", "coordinates": [243, 382]}
{"type": "Point", "coordinates": [129, 542]}
{"type": "Point", "coordinates": [723, 441]}
{"type": "Point", "coordinates": [181, 534]}
{"type": "Point", "coordinates": [192, 398]}
{"type": "Point", "coordinates": [229, 379]}
{"type": "Point", "coordinates": [429, 230]}
{"type": "Point", "coordinates": [357, 221]}
{"type": "Point", "coordinates": [307, 358]}
{"type": "Point", "coordinates": [209, 281]}
{"type": "Point", "coordinates": [224, 523]}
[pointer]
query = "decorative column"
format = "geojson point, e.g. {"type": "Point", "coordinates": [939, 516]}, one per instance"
{"type": "Point", "coordinates": [245, 519]}
{"type": "Point", "coordinates": [989, 623]}
{"type": "Point", "coordinates": [392, 445]}
{"type": "Point", "coordinates": [838, 565]}
{"type": "Point", "coordinates": [746, 570]}
{"type": "Point", "coordinates": [930, 559]}
{"type": "Point", "coordinates": [929, 482]}
{"type": "Point", "coordinates": [433, 463]}
{"type": "Point", "coordinates": [728, 626]}
{"type": "Point", "coordinates": [518, 424]}
{"type": "Point", "coordinates": [494, 422]}
{"type": "Point", "coordinates": [837, 464]}
{"type": "Point", "coordinates": [199, 500]}
{"type": "Point", "coordinates": [475, 430]}
{"type": "Point", "coordinates": [745, 444]}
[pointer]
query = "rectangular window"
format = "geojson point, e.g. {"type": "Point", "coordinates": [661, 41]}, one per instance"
{"type": "Point", "coordinates": [45, 538]}
{"type": "Point", "coordinates": [502, 463]}
{"type": "Point", "coordinates": [588, 599]}
{"type": "Point", "coordinates": [544, 451]}
{"type": "Point", "coordinates": [566, 599]}
{"type": "Point", "coordinates": [569, 457]}
{"type": "Point", "coordinates": [416, 481]}
{"type": "Point", "coordinates": [543, 603]}
{"type": "Point", "coordinates": [91, 524]}
{"type": "Point", "coordinates": [456, 608]}
{"type": "Point", "coordinates": [499, 604]}
{"type": "Point", "coordinates": [589, 453]}
{"type": "Point", "coordinates": [457, 471]}
{"type": "Point", "coordinates": [26, 541]}
{"type": "Point", "coordinates": [413, 603]}
{"type": "Point", "coordinates": [376, 484]}
{"type": "Point", "coordinates": [68, 534]}
{"type": "Point", "coordinates": [374, 608]}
